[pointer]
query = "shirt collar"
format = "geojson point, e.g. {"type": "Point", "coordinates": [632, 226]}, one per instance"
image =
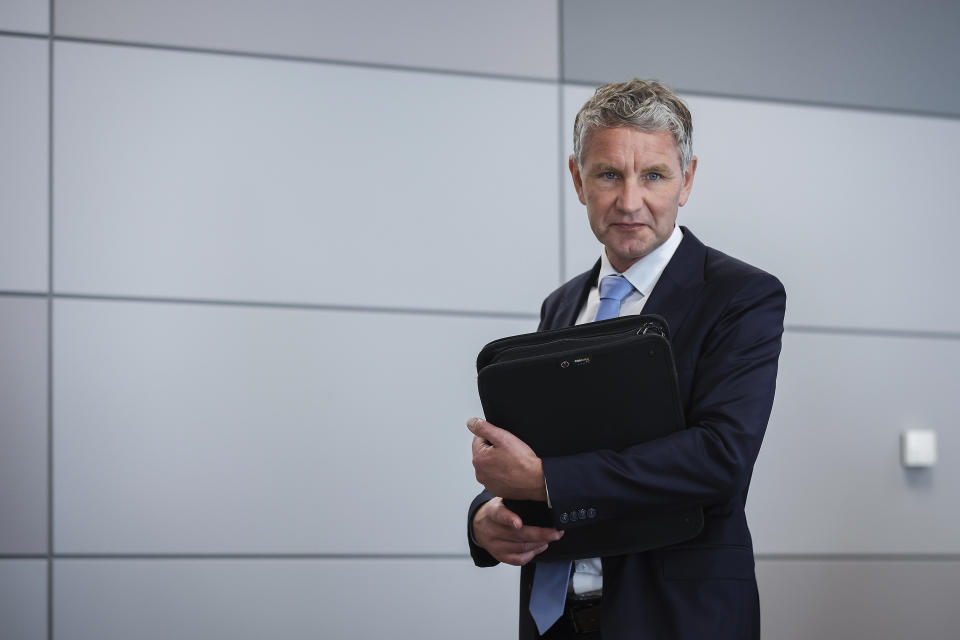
{"type": "Point", "coordinates": [644, 273]}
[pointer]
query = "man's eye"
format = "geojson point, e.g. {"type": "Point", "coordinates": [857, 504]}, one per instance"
{"type": "Point", "coordinates": [653, 176]}
{"type": "Point", "coordinates": [608, 175]}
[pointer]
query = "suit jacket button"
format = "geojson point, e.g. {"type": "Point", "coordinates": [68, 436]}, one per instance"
{"type": "Point", "coordinates": [591, 513]}
{"type": "Point", "coordinates": [573, 516]}
{"type": "Point", "coordinates": [563, 518]}
{"type": "Point", "coordinates": [583, 514]}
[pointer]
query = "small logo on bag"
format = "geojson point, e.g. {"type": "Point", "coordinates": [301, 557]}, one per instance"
{"type": "Point", "coordinates": [578, 362]}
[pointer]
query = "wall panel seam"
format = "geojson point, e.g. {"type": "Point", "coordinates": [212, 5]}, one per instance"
{"type": "Point", "coordinates": [259, 55]}
{"type": "Point", "coordinates": [24, 34]}
{"type": "Point", "coordinates": [874, 332]}
{"type": "Point", "coordinates": [941, 115]}
{"type": "Point", "coordinates": [297, 306]}
{"type": "Point", "coordinates": [460, 313]}
{"type": "Point", "coordinates": [761, 557]}
{"type": "Point", "coordinates": [858, 557]}
{"type": "Point", "coordinates": [480, 74]}
{"type": "Point", "coordinates": [50, 509]}
{"type": "Point", "coordinates": [561, 182]}
{"type": "Point", "coordinates": [262, 556]}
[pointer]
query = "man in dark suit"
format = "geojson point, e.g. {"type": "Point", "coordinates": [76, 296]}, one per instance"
{"type": "Point", "coordinates": [633, 168]}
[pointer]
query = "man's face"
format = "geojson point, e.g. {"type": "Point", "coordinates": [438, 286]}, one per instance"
{"type": "Point", "coordinates": [632, 186]}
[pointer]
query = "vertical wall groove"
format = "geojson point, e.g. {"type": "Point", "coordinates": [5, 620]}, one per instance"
{"type": "Point", "coordinates": [50, 550]}
{"type": "Point", "coordinates": [561, 201]}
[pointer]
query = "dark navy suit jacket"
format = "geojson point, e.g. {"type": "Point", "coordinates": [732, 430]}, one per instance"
{"type": "Point", "coordinates": [726, 321]}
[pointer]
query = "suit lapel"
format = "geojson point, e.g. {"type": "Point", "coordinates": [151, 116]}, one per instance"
{"type": "Point", "coordinates": [680, 284]}
{"type": "Point", "coordinates": [570, 307]}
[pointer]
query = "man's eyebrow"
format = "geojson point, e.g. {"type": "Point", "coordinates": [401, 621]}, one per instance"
{"type": "Point", "coordinates": [657, 168]}
{"type": "Point", "coordinates": [603, 166]}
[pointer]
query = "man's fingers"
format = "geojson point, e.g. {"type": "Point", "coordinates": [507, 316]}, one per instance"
{"type": "Point", "coordinates": [502, 533]}
{"type": "Point", "coordinates": [528, 535]}
{"type": "Point", "coordinates": [478, 444]}
{"type": "Point", "coordinates": [520, 533]}
{"type": "Point", "coordinates": [538, 534]}
{"type": "Point", "coordinates": [535, 547]}
{"type": "Point", "coordinates": [483, 429]}
{"type": "Point", "coordinates": [507, 518]}
{"type": "Point", "coordinates": [520, 559]}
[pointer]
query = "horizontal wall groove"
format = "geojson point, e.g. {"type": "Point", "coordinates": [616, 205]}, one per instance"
{"type": "Point", "coordinates": [507, 315]}
{"type": "Point", "coordinates": [259, 556]}
{"type": "Point", "coordinates": [282, 57]}
{"type": "Point", "coordinates": [25, 34]}
{"type": "Point", "coordinates": [875, 333]}
{"type": "Point", "coordinates": [788, 557]}
{"type": "Point", "coordinates": [796, 103]}
{"type": "Point", "coordinates": [298, 306]}
{"type": "Point", "coordinates": [426, 311]}
{"type": "Point", "coordinates": [860, 557]}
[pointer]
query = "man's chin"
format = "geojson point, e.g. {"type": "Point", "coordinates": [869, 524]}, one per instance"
{"type": "Point", "coordinates": [622, 259]}
{"type": "Point", "coordinates": [635, 249]}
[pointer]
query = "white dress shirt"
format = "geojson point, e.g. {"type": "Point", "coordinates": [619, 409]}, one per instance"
{"type": "Point", "coordinates": [587, 577]}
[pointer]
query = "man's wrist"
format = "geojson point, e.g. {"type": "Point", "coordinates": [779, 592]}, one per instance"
{"type": "Point", "coordinates": [472, 522]}
{"type": "Point", "coordinates": [539, 488]}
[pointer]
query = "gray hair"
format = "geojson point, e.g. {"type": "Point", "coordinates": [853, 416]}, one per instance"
{"type": "Point", "coordinates": [645, 105]}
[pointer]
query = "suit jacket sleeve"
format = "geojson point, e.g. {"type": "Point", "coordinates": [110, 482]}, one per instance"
{"type": "Point", "coordinates": [731, 380]}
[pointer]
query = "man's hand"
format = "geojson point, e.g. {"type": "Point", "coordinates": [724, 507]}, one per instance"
{"type": "Point", "coordinates": [504, 464]}
{"type": "Point", "coordinates": [502, 533]}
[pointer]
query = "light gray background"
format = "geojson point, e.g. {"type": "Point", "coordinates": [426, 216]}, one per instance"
{"type": "Point", "coordinates": [24, 135]}
{"type": "Point", "coordinates": [893, 54]}
{"type": "Point", "coordinates": [280, 232]}
{"type": "Point", "coordinates": [23, 599]}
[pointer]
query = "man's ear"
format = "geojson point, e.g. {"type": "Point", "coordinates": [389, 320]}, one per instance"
{"type": "Point", "coordinates": [577, 178]}
{"type": "Point", "coordinates": [688, 181]}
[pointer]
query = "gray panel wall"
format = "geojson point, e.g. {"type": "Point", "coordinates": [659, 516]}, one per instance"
{"type": "Point", "coordinates": [850, 599]}
{"type": "Point", "coordinates": [233, 210]}
{"type": "Point", "coordinates": [498, 36]}
{"type": "Point", "coordinates": [348, 598]}
{"type": "Point", "coordinates": [23, 426]}
{"type": "Point", "coordinates": [23, 599]}
{"type": "Point", "coordinates": [24, 130]}
{"type": "Point", "coordinates": [829, 478]}
{"type": "Point", "coordinates": [29, 16]}
{"type": "Point", "coordinates": [888, 55]}
{"type": "Point", "coordinates": [208, 429]}
{"type": "Point", "coordinates": [294, 171]}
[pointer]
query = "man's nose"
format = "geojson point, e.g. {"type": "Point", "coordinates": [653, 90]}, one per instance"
{"type": "Point", "coordinates": [631, 196]}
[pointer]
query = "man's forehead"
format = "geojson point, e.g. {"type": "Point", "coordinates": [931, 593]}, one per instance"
{"type": "Point", "coordinates": [612, 143]}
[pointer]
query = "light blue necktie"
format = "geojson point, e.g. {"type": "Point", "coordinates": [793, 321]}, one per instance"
{"type": "Point", "coordinates": [551, 579]}
{"type": "Point", "coordinates": [613, 289]}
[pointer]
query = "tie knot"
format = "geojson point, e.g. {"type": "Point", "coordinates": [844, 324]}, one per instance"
{"type": "Point", "coordinates": [615, 287]}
